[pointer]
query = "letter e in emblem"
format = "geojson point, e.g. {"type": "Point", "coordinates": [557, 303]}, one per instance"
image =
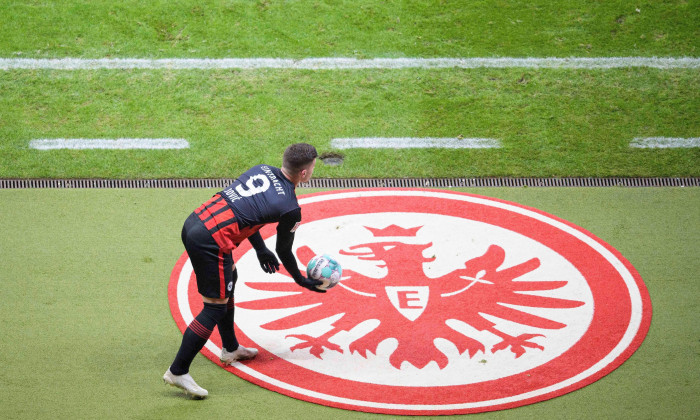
{"type": "Point", "coordinates": [409, 301]}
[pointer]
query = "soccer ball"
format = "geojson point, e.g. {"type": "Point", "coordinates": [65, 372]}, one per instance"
{"type": "Point", "coordinates": [326, 269]}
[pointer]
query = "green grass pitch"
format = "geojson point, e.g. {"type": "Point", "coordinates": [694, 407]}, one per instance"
{"type": "Point", "coordinates": [551, 122]}
{"type": "Point", "coordinates": [86, 328]}
{"type": "Point", "coordinates": [87, 332]}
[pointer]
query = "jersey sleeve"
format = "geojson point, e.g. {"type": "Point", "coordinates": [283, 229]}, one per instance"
{"type": "Point", "coordinates": [257, 241]}
{"type": "Point", "coordinates": [285, 239]}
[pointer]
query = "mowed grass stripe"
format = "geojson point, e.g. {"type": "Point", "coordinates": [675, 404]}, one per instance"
{"type": "Point", "coordinates": [358, 28]}
{"type": "Point", "coordinates": [333, 63]}
{"type": "Point", "coordinates": [551, 122]}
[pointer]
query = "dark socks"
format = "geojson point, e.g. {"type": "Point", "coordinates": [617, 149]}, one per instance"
{"type": "Point", "coordinates": [225, 324]}
{"type": "Point", "coordinates": [197, 334]}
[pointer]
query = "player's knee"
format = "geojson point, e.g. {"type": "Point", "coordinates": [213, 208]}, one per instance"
{"type": "Point", "coordinates": [215, 311]}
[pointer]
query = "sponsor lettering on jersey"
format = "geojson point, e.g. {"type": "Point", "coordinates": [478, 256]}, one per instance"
{"type": "Point", "coordinates": [275, 181]}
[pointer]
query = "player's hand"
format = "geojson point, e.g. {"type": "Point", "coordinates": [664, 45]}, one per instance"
{"type": "Point", "coordinates": [310, 284]}
{"type": "Point", "coordinates": [268, 261]}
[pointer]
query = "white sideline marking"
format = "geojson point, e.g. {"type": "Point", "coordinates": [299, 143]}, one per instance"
{"type": "Point", "coordinates": [414, 143]}
{"type": "Point", "coordinates": [334, 63]}
{"type": "Point", "coordinates": [664, 142]}
{"type": "Point", "coordinates": [121, 144]}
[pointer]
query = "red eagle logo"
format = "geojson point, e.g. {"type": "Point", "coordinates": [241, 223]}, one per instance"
{"type": "Point", "coordinates": [412, 307]}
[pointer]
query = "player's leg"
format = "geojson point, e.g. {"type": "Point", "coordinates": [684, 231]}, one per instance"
{"type": "Point", "coordinates": [231, 351]}
{"type": "Point", "coordinates": [208, 263]}
{"type": "Point", "coordinates": [228, 336]}
{"type": "Point", "coordinates": [194, 338]}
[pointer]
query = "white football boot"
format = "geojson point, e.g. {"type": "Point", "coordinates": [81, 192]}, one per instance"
{"type": "Point", "coordinates": [185, 382]}
{"type": "Point", "coordinates": [241, 353]}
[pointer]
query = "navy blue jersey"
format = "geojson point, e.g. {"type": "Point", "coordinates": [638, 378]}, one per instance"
{"type": "Point", "coordinates": [261, 195]}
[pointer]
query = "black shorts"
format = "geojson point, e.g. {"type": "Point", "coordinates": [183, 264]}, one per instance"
{"type": "Point", "coordinates": [212, 267]}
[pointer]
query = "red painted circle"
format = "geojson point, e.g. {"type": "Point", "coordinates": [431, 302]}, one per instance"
{"type": "Point", "coordinates": [612, 296]}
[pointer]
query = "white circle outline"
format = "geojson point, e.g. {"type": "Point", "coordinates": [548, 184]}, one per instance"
{"type": "Point", "coordinates": [623, 344]}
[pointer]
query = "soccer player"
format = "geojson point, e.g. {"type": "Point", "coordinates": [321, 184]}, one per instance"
{"type": "Point", "coordinates": [263, 194]}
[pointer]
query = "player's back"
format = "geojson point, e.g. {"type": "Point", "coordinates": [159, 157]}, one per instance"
{"type": "Point", "coordinates": [261, 195]}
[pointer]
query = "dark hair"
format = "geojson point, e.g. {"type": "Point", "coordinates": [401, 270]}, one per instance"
{"type": "Point", "coordinates": [298, 155]}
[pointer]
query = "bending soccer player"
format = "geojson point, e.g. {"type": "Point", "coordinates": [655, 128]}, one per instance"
{"type": "Point", "coordinates": [262, 195]}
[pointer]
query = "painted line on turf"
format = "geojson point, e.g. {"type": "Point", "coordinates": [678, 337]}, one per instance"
{"type": "Point", "coordinates": [415, 143]}
{"type": "Point", "coordinates": [340, 63]}
{"type": "Point", "coordinates": [118, 144]}
{"type": "Point", "coordinates": [664, 142]}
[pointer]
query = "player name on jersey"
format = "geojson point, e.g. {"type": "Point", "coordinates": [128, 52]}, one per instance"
{"type": "Point", "coordinates": [238, 190]}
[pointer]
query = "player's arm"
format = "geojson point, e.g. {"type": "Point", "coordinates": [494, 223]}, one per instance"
{"type": "Point", "coordinates": [267, 259]}
{"type": "Point", "coordinates": [285, 240]}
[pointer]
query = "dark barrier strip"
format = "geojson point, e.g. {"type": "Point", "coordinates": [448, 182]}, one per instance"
{"type": "Point", "coordinates": [336, 183]}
